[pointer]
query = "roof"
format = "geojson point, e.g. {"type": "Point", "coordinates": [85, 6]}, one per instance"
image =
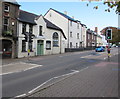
{"type": "Point", "coordinates": [53, 26]}
{"type": "Point", "coordinates": [12, 2]}
{"type": "Point", "coordinates": [64, 15]}
{"type": "Point", "coordinates": [91, 32]}
{"type": "Point", "coordinates": [27, 17]}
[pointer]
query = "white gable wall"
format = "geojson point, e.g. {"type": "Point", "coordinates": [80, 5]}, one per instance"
{"type": "Point", "coordinates": [64, 24]}
{"type": "Point", "coordinates": [59, 21]}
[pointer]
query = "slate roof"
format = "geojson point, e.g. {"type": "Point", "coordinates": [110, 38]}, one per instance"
{"type": "Point", "coordinates": [53, 26]}
{"type": "Point", "coordinates": [12, 2]}
{"type": "Point", "coordinates": [64, 15]}
{"type": "Point", "coordinates": [27, 17]}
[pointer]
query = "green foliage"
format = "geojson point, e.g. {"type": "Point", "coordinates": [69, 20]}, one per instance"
{"type": "Point", "coordinates": [112, 4]}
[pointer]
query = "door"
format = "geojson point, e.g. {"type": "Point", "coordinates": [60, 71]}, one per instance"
{"type": "Point", "coordinates": [40, 47]}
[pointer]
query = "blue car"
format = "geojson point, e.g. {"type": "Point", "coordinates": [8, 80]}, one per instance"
{"type": "Point", "coordinates": [100, 49]}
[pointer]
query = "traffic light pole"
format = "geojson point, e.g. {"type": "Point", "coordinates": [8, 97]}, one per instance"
{"type": "Point", "coordinates": [28, 47]}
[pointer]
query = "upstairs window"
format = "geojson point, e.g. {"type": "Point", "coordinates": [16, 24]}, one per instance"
{"type": "Point", "coordinates": [23, 28]}
{"type": "Point", "coordinates": [77, 35]}
{"type": "Point", "coordinates": [55, 39]}
{"type": "Point", "coordinates": [6, 21]}
{"type": "Point", "coordinates": [78, 25]}
{"type": "Point", "coordinates": [31, 29]}
{"type": "Point", "coordinates": [6, 8]}
{"type": "Point", "coordinates": [40, 30]}
{"type": "Point", "coordinates": [70, 34]}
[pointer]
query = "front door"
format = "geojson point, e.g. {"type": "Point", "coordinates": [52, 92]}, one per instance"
{"type": "Point", "coordinates": [40, 47]}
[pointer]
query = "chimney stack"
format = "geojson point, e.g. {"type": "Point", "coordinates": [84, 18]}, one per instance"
{"type": "Point", "coordinates": [73, 17]}
{"type": "Point", "coordinates": [65, 12]}
{"type": "Point", "coordinates": [96, 30]}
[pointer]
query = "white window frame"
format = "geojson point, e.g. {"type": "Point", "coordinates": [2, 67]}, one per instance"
{"type": "Point", "coordinates": [8, 8]}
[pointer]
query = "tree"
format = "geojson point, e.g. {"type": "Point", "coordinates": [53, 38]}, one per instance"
{"type": "Point", "coordinates": [111, 4]}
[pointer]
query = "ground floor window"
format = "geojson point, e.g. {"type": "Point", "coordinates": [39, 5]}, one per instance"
{"type": "Point", "coordinates": [48, 45]}
{"type": "Point", "coordinates": [23, 46]}
{"type": "Point", "coordinates": [55, 39]}
{"type": "Point", "coordinates": [70, 44]}
{"type": "Point", "coordinates": [30, 46]}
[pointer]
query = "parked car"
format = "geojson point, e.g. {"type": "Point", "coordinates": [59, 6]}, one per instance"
{"type": "Point", "coordinates": [100, 49]}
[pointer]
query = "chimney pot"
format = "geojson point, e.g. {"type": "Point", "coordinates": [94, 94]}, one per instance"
{"type": "Point", "coordinates": [65, 12]}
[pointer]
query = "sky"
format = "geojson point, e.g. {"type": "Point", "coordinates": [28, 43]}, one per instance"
{"type": "Point", "coordinates": [86, 14]}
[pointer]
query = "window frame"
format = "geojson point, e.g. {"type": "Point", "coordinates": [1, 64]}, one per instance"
{"type": "Point", "coordinates": [78, 36]}
{"type": "Point", "coordinates": [24, 28]}
{"type": "Point", "coordinates": [40, 30]}
{"type": "Point", "coordinates": [71, 34]}
{"type": "Point", "coordinates": [8, 6]}
{"type": "Point", "coordinates": [30, 28]}
{"type": "Point", "coordinates": [55, 39]}
{"type": "Point", "coordinates": [48, 47]}
{"type": "Point", "coordinates": [24, 46]}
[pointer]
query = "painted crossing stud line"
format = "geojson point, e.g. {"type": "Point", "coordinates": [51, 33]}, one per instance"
{"type": "Point", "coordinates": [24, 69]}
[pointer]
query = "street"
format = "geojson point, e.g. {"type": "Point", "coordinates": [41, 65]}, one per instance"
{"type": "Point", "coordinates": [44, 70]}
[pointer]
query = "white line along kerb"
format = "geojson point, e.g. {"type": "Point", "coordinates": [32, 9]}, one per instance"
{"type": "Point", "coordinates": [74, 71]}
{"type": "Point", "coordinates": [20, 95]}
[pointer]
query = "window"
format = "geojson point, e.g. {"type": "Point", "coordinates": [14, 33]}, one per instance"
{"type": "Point", "coordinates": [76, 45]}
{"type": "Point", "coordinates": [78, 25]}
{"type": "Point", "coordinates": [70, 23]}
{"type": "Point", "coordinates": [23, 46]}
{"type": "Point", "coordinates": [70, 34]}
{"type": "Point", "coordinates": [40, 30]}
{"type": "Point", "coordinates": [50, 15]}
{"type": "Point", "coordinates": [30, 46]}
{"type": "Point", "coordinates": [23, 28]}
{"type": "Point", "coordinates": [88, 36]}
{"type": "Point", "coordinates": [6, 8]}
{"type": "Point", "coordinates": [48, 45]}
{"type": "Point", "coordinates": [31, 29]}
{"type": "Point", "coordinates": [55, 39]}
{"type": "Point", "coordinates": [6, 21]}
{"type": "Point", "coordinates": [77, 35]}
{"type": "Point", "coordinates": [70, 44]}
{"type": "Point", "coordinates": [5, 27]}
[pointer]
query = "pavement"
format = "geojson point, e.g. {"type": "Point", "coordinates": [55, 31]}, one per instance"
{"type": "Point", "coordinates": [99, 80]}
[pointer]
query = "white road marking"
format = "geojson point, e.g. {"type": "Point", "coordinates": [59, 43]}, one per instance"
{"type": "Point", "coordinates": [22, 70]}
{"type": "Point", "coordinates": [13, 64]}
{"type": "Point", "coordinates": [74, 71]}
{"type": "Point", "coordinates": [105, 58]}
{"type": "Point", "coordinates": [85, 56]}
{"type": "Point", "coordinates": [39, 86]}
{"type": "Point", "coordinates": [52, 79]}
{"type": "Point", "coordinates": [60, 56]}
{"type": "Point", "coordinates": [20, 95]}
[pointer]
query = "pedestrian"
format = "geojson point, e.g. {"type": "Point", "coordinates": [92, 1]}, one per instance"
{"type": "Point", "coordinates": [108, 50]}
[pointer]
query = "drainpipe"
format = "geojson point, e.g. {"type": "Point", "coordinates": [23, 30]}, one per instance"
{"type": "Point", "coordinates": [13, 49]}
{"type": "Point", "coordinates": [60, 42]}
{"type": "Point", "coordinates": [68, 34]}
